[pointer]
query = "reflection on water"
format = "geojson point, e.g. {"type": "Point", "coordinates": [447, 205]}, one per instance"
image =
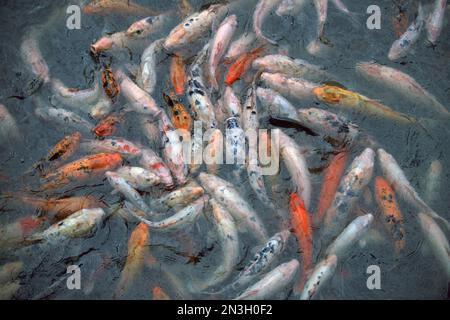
{"type": "Point", "coordinates": [190, 253]}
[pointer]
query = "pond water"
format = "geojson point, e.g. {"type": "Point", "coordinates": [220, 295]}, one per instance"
{"type": "Point", "coordinates": [193, 251]}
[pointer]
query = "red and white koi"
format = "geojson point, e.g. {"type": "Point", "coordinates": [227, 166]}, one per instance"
{"type": "Point", "coordinates": [119, 145]}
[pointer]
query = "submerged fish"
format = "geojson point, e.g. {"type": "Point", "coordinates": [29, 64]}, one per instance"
{"type": "Point", "coordinates": [289, 87]}
{"type": "Point", "coordinates": [229, 240]}
{"type": "Point", "coordinates": [240, 46]}
{"type": "Point", "coordinates": [391, 215]}
{"type": "Point", "coordinates": [290, 7]}
{"type": "Point", "coordinates": [9, 131]}
{"type": "Point", "coordinates": [181, 118]}
{"type": "Point", "coordinates": [321, 274]}
{"type": "Point", "coordinates": [120, 7]}
{"type": "Point", "coordinates": [73, 97]}
{"type": "Point", "coordinates": [147, 26]}
{"type": "Point", "coordinates": [178, 74]}
{"type": "Point", "coordinates": [64, 118]}
{"type": "Point", "coordinates": [355, 180]}
{"type": "Point", "coordinates": [435, 21]}
{"type": "Point", "coordinates": [31, 54]}
{"type": "Point", "coordinates": [297, 167]}
{"type": "Point", "coordinates": [402, 83]}
{"type": "Point", "coordinates": [262, 10]}
{"type": "Point", "coordinates": [273, 283]}
{"type": "Point", "coordinates": [219, 45]}
{"type": "Point", "coordinates": [138, 247]}
{"type": "Point", "coordinates": [241, 65]}
{"type": "Point", "coordinates": [147, 75]}
{"type": "Point", "coordinates": [433, 181]}
{"type": "Point", "coordinates": [151, 161]}
{"type": "Point", "coordinates": [107, 126]}
{"type": "Point", "coordinates": [178, 198]}
{"type": "Point", "coordinates": [138, 178]}
{"type": "Point", "coordinates": [124, 147]}
{"type": "Point", "coordinates": [244, 215]}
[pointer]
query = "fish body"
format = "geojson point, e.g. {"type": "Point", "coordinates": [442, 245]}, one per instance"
{"type": "Point", "coordinates": [219, 45]}
{"type": "Point", "coordinates": [180, 197]}
{"type": "Point", "coordinates": [31, 54]}
{"type": "Point", "coordinates": [289, 87]}
{"type": "Point", "coordinates": [301, 224]}
{"type": "Point", "coordinates": [79, 224]}
{"type": "Point", "coordinates": [73, 97]}
{"type": "Point", "coordinates": [229, 240]}
{"type": "Point", "coordinates": [13, 235]}
{"type": "Point", "coordinates": [297, 68]}
{"type": "Point", "coordinates": [213, 154]}
{"type": "Point", "coordinates": [403, 188]}
{"type": "Point", "coordinates": [65, 148]}
{"type": "Point", "coordinates": [9, 131]}
{"type": "Point", "coordinates": [178, 74]}
{"type": "Point", "coordinates": [402, 46]}
{"type": "Point", "coordinates": [322, 13]}
{"type": "Point", "coordinates": [109, 83]}
{"type": "Point", "coordinates": [121, 185]}
{"type": "Point", "coordinates": [120, 7]}
{"type": "Point", "coordinates": [402, 83]}
{"type": "Point", "coordinates": [64, 118]}
{"type": "Point", "coordinates": [331, 179]}
{"type": "Point", "coordinates": [342, 245]}
{"type": "Point", "coordinates": [321, 274]}
{"type": "Point", "coordinates": [244, 215]}
{"type": "Point", "coordinates": [199, 99]}
{"type": "Point", "coordinates": [272, 283]}
{"type": "Point", "coordinates": [242, 65]}
{"type": "Point", "coordinates": [433, 181]}
{"type": "Point", "coordinates": [435, 21]}
{"type": "Point", "coordinates": [181, 119]}
{"type": "Point", "coordinates": [139, 178]}
{"type": "Point", "coordinates": [173, 155]}
{"type": "Point", "coordinates": [192, 28]}
{"type": "Point", "coordinates": [113, 145]}
{"type": "Point", "coordinates": [138, 247]}
{"type": "Point", "coordinates": [147, 75]}
{"type": "Point", "coordinates": [235, 143]}
{"type": "Point", "coordinates": [240, 46]}
{"type": "Point", "coordinates": [262, 10]}
{"type": "Point", "coordinates": [297, 167]}
{"type": "Point", "coordinates": [232, 104]}
{"type": "Point", "coordinates": [146, 27]}
{"type": "Point", "coordinates": [437, 240]}
{"type": "Point", "coordinates": [83, 169]}
{"type": "Point", "coordinates": [391, 214]}
{"type": "Point", "coordinates": [151, 161]}
{"type": "Point", "coordinates": [355, 180]}
{"type": "Point", "coordinates": [290, 7]}
{"type": "Point", "coordinates": [107, 126]}
{"type": "Point", "coordinates": [336, 96]}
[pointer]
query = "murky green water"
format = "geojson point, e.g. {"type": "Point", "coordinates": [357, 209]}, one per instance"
{"type": "Point", "coordinates": [415, 274]}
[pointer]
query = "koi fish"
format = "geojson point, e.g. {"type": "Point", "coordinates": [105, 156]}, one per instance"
{"type": "Point", "coordinates": [146, 27]}
{"type": "Point", "coordinates": [110, 86]}
{"type": "Point", "coordinates": [62, 208]}
{"type": "Point", "coordinates": [178, 74]}
{"type": "Point", "coordinates": [147, 74]}
{"type": "Point", "coordinates": [213, 153]}
{"type": "Point", "coordinates": [107, 126]}
{"type": "Point", "coordinates": [138, 178]}
{"type": "Point", "coordinates": [102, 107]}
{"type": "Point", "coordinates": [301, 225]}
{"type": "Point", "coordinates": [336, 96]}
{"type": "Point", "coordinates": [9, 131]}
{"type": "Point", "coordinates": [151, 161]}
{"type": "Point", "coordinates": [400, 183]}
{"type": "Point", "coordinates": [272, 283]}
{"type": "Point", "coordinates": [181, 118]}
{"type": "Point", "coordinates": [278, 63]}
{"type": "Point", "coordinates": [437, 240]}
{"type": "Point", "coordinates": [402, 45]}
{"type": "Point", "coordinates": [355, 180]}
{"type": "Point", "coordinates": [120, 7]}
{"type": "Point", "coordinates": [331, 178]}
{"type": "Point", "coordinates": [138, 247]}
{"type": "Point", "coordinates": [225, 193]}
{"type": "Point", "coordinates": [435, 21]}
{"type": "Point", "coordinates": [229, 240]}
{"type": "Point", "coordinates": [240, 46]}
{"type": "Point", "coordinates": [232, 104]}
{"type": "Point", "coordinates": [64, 118]}
{"type": "Point", "coordinates": [290, 87]}
{"type": "Point", "coordinates": [198, 98]}
{"type": "Point", "coordinates": [119, 145]}
{"type": "Point", "coordinates": [349, 237]}
{"type": "Point", "coordinates": [262, 10]}
{"type": "Point", "coordinates": [241, 65]}
{"type": "Point", "coordinates": [73, 97]}
{"type": "Point", "coordinates": [392, 216]}
{"type": "Point", "coordinates": [321, 275]}
{"type": "Point", "coordinates": [31, 54]}
{"type": "Point", "coordinates": [219, 45]}
{"type": "Point", "coordinates": [290, 7]}
{"type": "Point", "coordinates": [297, 167]}
{"type": "Point", "coordinates": [79, 224]}
{"type": "Point", "coordinates": [83, 169]}
{"type": "Point", "coordinates": [401, 83]}
{"type": "Point", "coordinates": [193, 27]}
{"type": "Point", "coordinates": [433, 181]}
{"type": "Point", "coordinates": [121, 185]}
{"type": "Point", "coordinates": [178, 198]}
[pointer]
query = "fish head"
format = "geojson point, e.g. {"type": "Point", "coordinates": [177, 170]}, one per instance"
{"type": "Point", "coordinates": [103, 44]}
{"type": "Point", "coordinates": [138, 28]}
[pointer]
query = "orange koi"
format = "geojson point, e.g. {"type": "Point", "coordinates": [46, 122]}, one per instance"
{"type": "Point", "coordinates": [159, 294]}
{"type": "Point", "coordinates": [180, 116]}
{"type": "Point", "coordinates": [332, 177]}
{"type": "Point", "coordinates": [178, 74]}
{"type": "Point", "coordinates": [137, 253]}
{"type": "Point", "coordinates": [83, 169]}
{"type": "Point", "coordinates": [392, 216]}
{"type": "Point", "coordinates": [301, 225]}
{"type": "Point", "coordinates": [121, 7]}
{"type": "Point", "coordinates": [242, 64]}
{"type": "Point", "coordinates": [109, 83]}
{"type": "Point", "coordinates": [107, 127]}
